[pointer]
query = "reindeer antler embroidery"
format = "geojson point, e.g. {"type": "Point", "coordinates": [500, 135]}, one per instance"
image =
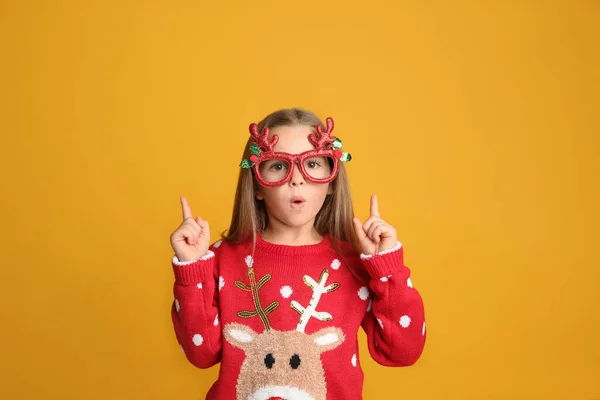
{"type": "Point", "coordinates": [254, 288]}
{"type": "Point", "coordinates": [318, 290]}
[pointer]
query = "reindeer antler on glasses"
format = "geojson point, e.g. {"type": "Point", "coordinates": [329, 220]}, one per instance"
{"type": "Point", "coordinates": [261, 141]}
{"type": "Point", "coordinates": [323, 138]}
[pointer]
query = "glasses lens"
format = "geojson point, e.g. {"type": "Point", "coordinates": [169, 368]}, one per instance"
{"type": "Point", "coordinates": [319, 167]}
{"type": "Point", "coordinates": [273, 170]}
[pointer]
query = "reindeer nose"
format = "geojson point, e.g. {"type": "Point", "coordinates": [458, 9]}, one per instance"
{"type": "Point", "coordinates": [275, 398]}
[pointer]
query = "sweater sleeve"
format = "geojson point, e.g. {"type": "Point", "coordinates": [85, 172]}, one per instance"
{"type": "Point", "coordinates": [395, 324]}
{"type": "Point", "coordinates": [195, 310]}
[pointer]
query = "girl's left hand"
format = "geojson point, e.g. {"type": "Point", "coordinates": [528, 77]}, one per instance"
{"type": "Point", "coordinates": [375, 235]}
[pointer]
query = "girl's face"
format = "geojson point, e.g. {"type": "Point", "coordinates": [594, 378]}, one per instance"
{"type": "Point", "coordinates": [297, 202]}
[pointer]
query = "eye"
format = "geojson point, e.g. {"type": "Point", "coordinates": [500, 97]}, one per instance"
{"type": "Point", "coordinates": [313, 164]}
{"type": "Point", "coordinates": [295, 361]}
{"type": "Point", "coordinates": [277, 166]}
{"type": "Point", "coordinates": [269, 360]}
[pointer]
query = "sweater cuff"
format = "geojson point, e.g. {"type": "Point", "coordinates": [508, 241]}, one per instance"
{"type": "Point", "coordinates": [192, 272]}
{"type": "Point", "coordinates": [384, 263]}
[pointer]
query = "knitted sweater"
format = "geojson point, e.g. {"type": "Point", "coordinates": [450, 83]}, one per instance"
{"type": "Point", "coordinates": [284, 322]}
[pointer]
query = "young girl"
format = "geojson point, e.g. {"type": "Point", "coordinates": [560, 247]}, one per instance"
{"type": "Point", "coordinates": [279, 300]}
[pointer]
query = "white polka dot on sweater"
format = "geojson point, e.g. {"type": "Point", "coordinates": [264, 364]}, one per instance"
{"type": "Point", "coordinates": [409, 282]}
{"type": "Point", "coordinates": [286, 291]}
{"type": "Point", "coordinates": [385, 278]}
{"type": "Point", "coordinates": [353, 361]}
{"type": "Point", "coordinates": [221, 283]}
{"type": "Point", "coordinates": [380, 323]}
{"type": "Point", "coordinates": [363, 293]}
{"type": "Point", "coordinates": [217, 243]}
{"type": "Point", "coordinates": [335, 264]}
{"type": "Point", "coordinates": [249, 261]}
{"type": "Point", "coordinates": [423, 329]}
{"type": "Point", "coordinates": [404, 321]}
{"type": "Point", "coordinates": [216, 322]}
{"type": "Point", "coordinates": [198, 339]}
{"type": "Point", "coordinates": [177, 308]}
{"type": "Point", "coordinates": [199, 285]}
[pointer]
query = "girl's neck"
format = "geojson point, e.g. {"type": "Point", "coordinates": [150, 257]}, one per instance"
{"type": "Point", "coordinates": [305, 235]}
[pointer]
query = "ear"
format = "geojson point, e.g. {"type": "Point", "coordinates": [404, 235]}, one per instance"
{"type": "Point", "coordinates": [328, 338]}
{"type": "Point", "coordinates": [329, 188]}
{"type": "Point", "coordinates": [239, 335]}
{"type": "Point", "coordinates": [258, 194]}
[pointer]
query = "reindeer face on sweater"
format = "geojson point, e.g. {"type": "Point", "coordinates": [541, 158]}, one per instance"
{"type": "Point", "coordinates": [282, 364]}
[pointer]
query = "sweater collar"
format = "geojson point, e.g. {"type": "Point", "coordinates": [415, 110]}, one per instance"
{"type": "Point", "coordinates": [293, 250]}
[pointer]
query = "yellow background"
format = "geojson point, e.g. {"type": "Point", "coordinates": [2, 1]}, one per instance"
{"type": "Point", "coordinates": [476, 123]}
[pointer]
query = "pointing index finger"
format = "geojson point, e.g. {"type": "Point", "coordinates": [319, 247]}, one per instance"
{"type": "Point", "coordinates": [374, 206]}
{"type": "Point", "coordinates": [186, 211]}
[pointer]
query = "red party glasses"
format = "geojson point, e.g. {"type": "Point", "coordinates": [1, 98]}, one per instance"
{"type": "Point", "coordinates": [273, 168]}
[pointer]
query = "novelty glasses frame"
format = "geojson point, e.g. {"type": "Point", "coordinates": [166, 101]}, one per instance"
{"type": "Point", "coordinates": [292, 160]}
{"type": "Point", "coordinates": [326, 145]}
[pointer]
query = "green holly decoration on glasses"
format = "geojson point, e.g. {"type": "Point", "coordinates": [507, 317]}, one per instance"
{"type": "Point", "coordinates": [254, 154]}
{"type": "Point", "coordinates": [337, 152]}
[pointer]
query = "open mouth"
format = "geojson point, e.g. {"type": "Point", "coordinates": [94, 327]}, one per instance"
{"type": "Point", "coordinates": [297, 201]}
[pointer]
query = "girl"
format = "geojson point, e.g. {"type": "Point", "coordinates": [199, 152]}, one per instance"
{"type": "Point", "coordinates": [279, 300]}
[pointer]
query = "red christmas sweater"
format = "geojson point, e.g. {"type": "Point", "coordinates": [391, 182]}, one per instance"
{"type": "Point", "coordinates": [284, 322]}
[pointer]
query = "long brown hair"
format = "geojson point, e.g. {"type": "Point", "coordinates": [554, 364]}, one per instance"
{"type": "Point", "coordinates": [250, 215]}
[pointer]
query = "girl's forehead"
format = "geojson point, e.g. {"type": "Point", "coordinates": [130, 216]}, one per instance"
{"type": "Point", "coordinates": [293, 139]}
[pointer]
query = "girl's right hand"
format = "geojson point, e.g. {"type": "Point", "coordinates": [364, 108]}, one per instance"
{"type": "Point", "coordinates": [191, 239]}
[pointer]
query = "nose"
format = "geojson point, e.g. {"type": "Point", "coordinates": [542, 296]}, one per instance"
{"type": "Point", "coordinates": [297, 178]}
